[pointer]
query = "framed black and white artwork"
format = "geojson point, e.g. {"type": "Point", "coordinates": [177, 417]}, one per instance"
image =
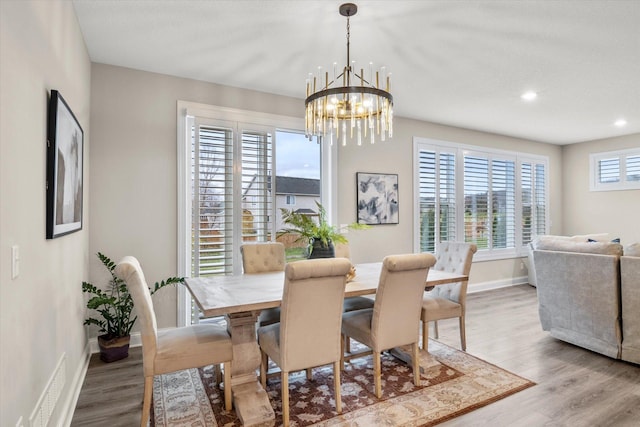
{"type": "Point", "coordinates": [377, 197]}
{"type": "Point", "coordinates": [65, 140]}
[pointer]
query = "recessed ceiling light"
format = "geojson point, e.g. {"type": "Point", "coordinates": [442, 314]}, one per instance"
{"type": "Point", "coordinates": [620, 122]}
{"type": "Point", "coordinates": [529, 95]}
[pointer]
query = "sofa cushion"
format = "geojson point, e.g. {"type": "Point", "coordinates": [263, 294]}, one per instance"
{"type": "Point", "coordinates": [602, 248]}
{"type": "Point", "coordinates": [632, 250]}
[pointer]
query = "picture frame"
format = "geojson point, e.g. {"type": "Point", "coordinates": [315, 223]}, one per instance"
{"type": "Point", "coordinates": [65, 154]}
{"type": "Point", "coordinates": [377, 198]}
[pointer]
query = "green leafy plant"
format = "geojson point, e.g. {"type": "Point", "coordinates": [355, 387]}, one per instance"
{"type": "Point", "coordinates": [310, 230]}
{"type": "Point", "coordinates": [115, 305]}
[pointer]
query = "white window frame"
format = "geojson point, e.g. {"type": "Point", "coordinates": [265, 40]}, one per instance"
{"type": "Point", "coordinates": [328, 188]}
{"type": "Point", "coordinates": [622, 183]}
{"type": "Point", "coordinates": [460, 150]}
{"type": "Point", "coordinates": [290, 200]}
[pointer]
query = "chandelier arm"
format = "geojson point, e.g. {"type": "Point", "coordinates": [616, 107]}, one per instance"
{"type": "Point", "coordinates": [349, 89]}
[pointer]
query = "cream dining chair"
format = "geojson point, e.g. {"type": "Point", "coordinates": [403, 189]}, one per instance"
{"type": "Point", "coordinates": [448, 301]}
{"type": "Point", "coordinates": [342, 250]}
{"type": "Point", "coordinates": [264, 257]}
{"type": "Point", "coordinates": [394, 319]}
{"type": "Point", "coordinates": [173, 349]}
{"type": "Point", "coordinates": [308, 334]}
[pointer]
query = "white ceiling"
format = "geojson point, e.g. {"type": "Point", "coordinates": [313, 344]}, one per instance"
{"type": "Point", "coordinates": [462, 63]}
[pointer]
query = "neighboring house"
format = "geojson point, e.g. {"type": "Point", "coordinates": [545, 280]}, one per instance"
{"type": "Point", "coordinates": [299, 194]}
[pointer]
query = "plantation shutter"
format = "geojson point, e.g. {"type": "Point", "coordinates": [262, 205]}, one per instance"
{"type": "Point", "coordinates": [437, 194]}
{"type": "Point", "coordinates": [534, 201]}
{"type": "Point", "coordinates": [633, 168]}
{"type": "Point", "coordinates": [540, 191]}
{"type": "Point", "coordinates": [476, 204]}
{"type": "Point", "coordinates": [257, 164]}
{"type": "Point", "coordinates": [503, 187]}
{"type": "Point", "coordinates": [231, 170]}
{"type": "Point", "coordinates": [489, 202]}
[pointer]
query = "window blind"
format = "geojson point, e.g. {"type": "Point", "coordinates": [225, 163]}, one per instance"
{"type": "Point", "coordinates": [231, 194]}
{"type": "Point", "coordinates": [615, 170]}
{"type": "Point", "coordinates": [437, 194]}
{"type": "Point", "coordinates": [497, 200]}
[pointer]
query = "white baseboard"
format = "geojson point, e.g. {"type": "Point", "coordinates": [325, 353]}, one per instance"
{"type": "Point", "coordinates": [75, 388]}
{"type": "Point", "coordinates": [497, 284]}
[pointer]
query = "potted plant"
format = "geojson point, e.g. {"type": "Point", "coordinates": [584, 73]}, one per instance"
{"type": "Point", "coordinates": [319, 235]}
{"type": "Point", "coordinates": [115, 307]}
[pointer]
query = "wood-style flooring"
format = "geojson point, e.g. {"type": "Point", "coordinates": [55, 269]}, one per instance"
{"type": "Point", "coordinates": [575, 387]}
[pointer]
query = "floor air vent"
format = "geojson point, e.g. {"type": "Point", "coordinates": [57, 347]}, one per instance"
{"type": "Point", "coordinates": [47, 402]}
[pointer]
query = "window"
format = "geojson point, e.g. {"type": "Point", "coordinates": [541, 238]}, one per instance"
{"type": "Point", "coordinates": [615, 170]}
{"type": "Point", "coordinates": [231, 165]}
{"type": "Point", "coordinates": [291, 200]}
{"type": "Point", "coordinates": [228, 183]}
{"type": "Point", "coordinates": [492, 198]}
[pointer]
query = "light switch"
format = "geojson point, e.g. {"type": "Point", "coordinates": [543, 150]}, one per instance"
{"type": "Point", "coordinates": [15, 261]}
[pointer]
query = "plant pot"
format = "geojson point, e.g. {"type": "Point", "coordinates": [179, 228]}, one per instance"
{"type": "Point", "coordinates": [113, 348]}
{"type": "Point", "coordinates": [322, 251]}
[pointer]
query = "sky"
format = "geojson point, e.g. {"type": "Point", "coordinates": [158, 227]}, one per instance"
{"type": "Point", "coordinates": [296, 156]}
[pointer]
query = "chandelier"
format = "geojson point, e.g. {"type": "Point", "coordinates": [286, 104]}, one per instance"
{"type": "Point", "coordinates": [350, 103]}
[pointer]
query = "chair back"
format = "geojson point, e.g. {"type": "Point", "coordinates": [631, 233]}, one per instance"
{"type": "Point", "coordinates": [454, 257]}
{"type": "Point", "coordinates": [396, 311]}
{"type": "Point", "coordinates": [311, 312]}
{"type": "Point", "coordinates": [129, 270]}
{"type": "Point", "coordinates": [262, 257]}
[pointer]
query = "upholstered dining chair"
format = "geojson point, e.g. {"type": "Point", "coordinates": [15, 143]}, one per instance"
{"type": "Point", "coordinates": [352, 303]}
{"type": "Point", "coordinates": [448, 301]}
{"type": "Point", "coordinates": [264, 257]}
{"type": "Point", "coordinates": [173, 349]}
{"type": "Point", "coordinates": [308, 334]}
{"type": "Point", "coordinates": [394, 319]}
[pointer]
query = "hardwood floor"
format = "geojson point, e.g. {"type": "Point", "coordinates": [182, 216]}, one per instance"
{"type": "Point", "coordinates": [575, 387]}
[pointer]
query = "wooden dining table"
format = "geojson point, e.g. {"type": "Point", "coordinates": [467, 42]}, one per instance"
{"type": "Point", "coordinates": [240, 298]}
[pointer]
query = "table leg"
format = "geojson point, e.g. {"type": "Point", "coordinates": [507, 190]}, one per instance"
{"type": "Point", "coordinates": [250, 400]}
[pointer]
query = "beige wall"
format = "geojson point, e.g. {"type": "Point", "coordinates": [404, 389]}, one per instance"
{"type": "Point", "coordinates": [586, 212]}
{"type": "Point", "coordinates": [133, 173]}
{"type": "Point", "coordinates": [42, 310]}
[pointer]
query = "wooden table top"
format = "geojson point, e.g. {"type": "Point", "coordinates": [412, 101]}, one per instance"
{"type": "Point", "coordinates": [218, 295]}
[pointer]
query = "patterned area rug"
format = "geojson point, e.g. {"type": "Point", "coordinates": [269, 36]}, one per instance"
{"type": "Point", "coordinates": [452, 383]}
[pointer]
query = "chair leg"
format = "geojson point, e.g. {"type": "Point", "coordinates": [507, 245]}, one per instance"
{"type": "Point", "coordinates": [309, 374]}
{"type": "Point", "coordinates": [228, 404]}
{"type": "Point", "coordinates": [415, 358]}
{"type": "Point", "coordinates": [336, 386]}
{"type": "Point", "coordinates": [146, 401]}
{"type": "Point", "coordinates": [425, 335]}
{"type": "Point", "coordinates": [218, 374]}
{"type": "Point", "coordinates": [342, 352]}
{"type": "Point", "coordinates": [377, 374]}
{"type": "Point", "coordinates": [264, 363]}
{"type": "Point", "coordinates": [463, 336]}
{"type": "Point", "coordinates": [435, 328]}
{"type": "Point", "coordinates": [347, 344]}
{"type": "Point", "coordinates": [285, 398]}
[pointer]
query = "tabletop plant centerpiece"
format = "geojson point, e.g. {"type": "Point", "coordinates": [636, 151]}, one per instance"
{"type": "Point", "coordinates": [320, 235]}
{"type": "Point", "coordinates": [115, 306]}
